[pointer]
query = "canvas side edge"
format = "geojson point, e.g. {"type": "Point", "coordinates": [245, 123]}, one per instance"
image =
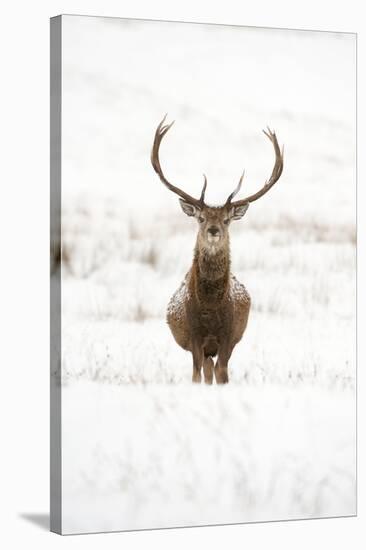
{"type": "Point", "coordinates": [55, 275]}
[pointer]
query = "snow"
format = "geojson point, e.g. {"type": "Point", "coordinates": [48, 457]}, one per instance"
{"type": "Point", "coordinates": [238, 292]}
{"type": "Point", "coordinates": [176, 306]}
{"type": "Point", "coordinates": [174, 455]}
{"type": "Point", "coordinates": [142, 446]}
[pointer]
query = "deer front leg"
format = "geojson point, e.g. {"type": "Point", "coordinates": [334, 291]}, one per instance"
{"type": "Point", "coordinates": [197, 354]}
{"type": "Point", "coordinates": [221, 374]}
{"type": "Point", "coordinates": [221, 367]}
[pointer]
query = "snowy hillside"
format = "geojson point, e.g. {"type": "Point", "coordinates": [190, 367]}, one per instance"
{"type": "Point", "coordinates": [142, 446]}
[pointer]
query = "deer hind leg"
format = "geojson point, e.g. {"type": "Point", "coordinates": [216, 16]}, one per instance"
{"type": "Point", "coordinates": [208, 368]}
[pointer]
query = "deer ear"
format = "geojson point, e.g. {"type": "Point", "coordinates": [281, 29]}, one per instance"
{"type": "Point", "coordinates": [237, 212]}
{"type": "Point", "coordinates": [188, 208]}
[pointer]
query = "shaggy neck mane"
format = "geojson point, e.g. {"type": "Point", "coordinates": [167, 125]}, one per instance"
{"type": "Point", "coordinates": [211, 273]}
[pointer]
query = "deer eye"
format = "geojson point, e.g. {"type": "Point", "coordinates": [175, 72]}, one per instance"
{"type": "Point", "coordinates": [201, 220]}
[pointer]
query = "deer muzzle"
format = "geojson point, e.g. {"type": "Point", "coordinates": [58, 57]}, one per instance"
{"type": "Point", "coordinates": [213, 234]}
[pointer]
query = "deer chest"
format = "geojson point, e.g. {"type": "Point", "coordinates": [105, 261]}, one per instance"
{"type": "Point", "coordinates": [212, 321]}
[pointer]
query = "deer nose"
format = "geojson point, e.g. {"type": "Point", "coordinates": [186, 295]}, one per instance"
{"type": "Point", "coordinates": [214, 230]}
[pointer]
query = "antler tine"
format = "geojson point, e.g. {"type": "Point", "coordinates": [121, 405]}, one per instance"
{"type": "Point", "coordinates": [276, 172]}
{"type": "Point", "coordinates": [202, 197]}
{"type": "Point", "coordinates": [236, 190]}
{"type": "Point", "coordinates": [155, 161]}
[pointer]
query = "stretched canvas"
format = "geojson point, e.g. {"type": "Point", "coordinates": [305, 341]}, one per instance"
{"type": "Point", "coordinates": [203, 355]}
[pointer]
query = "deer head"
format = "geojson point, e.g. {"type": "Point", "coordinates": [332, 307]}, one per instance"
{"type": "Point", "coordinates": [214, 221]}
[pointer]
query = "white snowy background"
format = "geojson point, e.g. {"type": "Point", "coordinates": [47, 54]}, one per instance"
{"type": "Point", "coordinates": [142, 446]}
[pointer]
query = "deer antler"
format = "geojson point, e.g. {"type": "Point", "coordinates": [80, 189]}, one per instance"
{"type": "Point", "coordinates": [155, 161]}
{"type": "Point", "coordinates": [276, 173]}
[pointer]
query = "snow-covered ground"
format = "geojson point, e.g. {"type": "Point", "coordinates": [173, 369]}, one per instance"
{"type": "Point", "coordinates": [142, 446]}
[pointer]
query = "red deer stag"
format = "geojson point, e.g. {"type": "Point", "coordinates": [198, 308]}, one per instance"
{"type": "Point", "coordinates": [208, 314]}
